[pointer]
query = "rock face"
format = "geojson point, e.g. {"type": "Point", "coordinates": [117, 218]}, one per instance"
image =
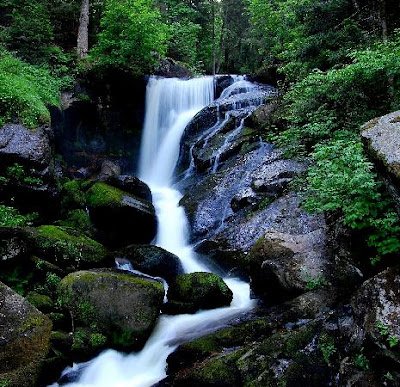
{"type": "Point", "coordinates": [377, 309]}
{"type": "Point", "coordinates": [119, 305]}
{"type": "Point", "coordinates": [25, 338]}
{"type": "Point", "coordinates": [381, 139]}
{"type": "Point", "coordinates": [289, 264]}
{"type": "Point", "coordinates": [132, 185]}
{"type": "Point", "coordinates": [26, 164]}
{"type": "Point", "coordinates": [121, 218]}
{"type": "Point", "coordinates": [190, 292]}
{"type": "Point", "coordinates": [14, 243]}
{"type": "Point", "coordinates": [152, 260]}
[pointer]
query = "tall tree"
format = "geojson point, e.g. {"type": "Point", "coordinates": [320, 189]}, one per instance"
{"type": "Point", "coordinates": [82, 45]}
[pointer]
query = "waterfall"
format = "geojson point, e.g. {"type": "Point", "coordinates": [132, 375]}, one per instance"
{"type": "Point", "coordinates": [170, 105]}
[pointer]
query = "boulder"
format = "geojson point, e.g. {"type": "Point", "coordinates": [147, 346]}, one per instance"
{"type": "Point", "coordinates": [28, 147]}
{"type": "Point", "coordinates": [377, 309]}
{"type": "Point", "coordinates": [152, 260]}
{"type": "Point", "coordinates": [190, 292]}
{"type": "Point", "coordinates": [118, 305]}
{"type": "Point", "coordinates": [132, 185]}
{"type": "Point", "coordinates": [109, 169]}
{"type": "Point", "coordinates": [62, 247]}
{"type": "Point", "coordinates": [169, 67]}
{"type": "Point", "coordinates": [27, 168]}
{"type": "Point", "coordinates": [25, 339]}
{"type": "Point", "coordinates": [121, 218]}
{"type": "Point", "coordinates": [381, 138]}
{"type": "Point", "coordinates": [284, 265]}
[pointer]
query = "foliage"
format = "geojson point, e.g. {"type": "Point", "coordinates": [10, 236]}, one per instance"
{"type": "Point", "coordinates": [325, 111]}
{"type": "Point", "coordinates": [384, 332]}
{"type": "Point", "coordinates": [361, 362]}
{"type": "Point", "coordinates": [26, 91]}
{"type": "Point", "coordinates": [326, 344]}
{"type": "Point", "coordinates": [132, 36]}
{"type": "Point", "coordinates": [10, 217]}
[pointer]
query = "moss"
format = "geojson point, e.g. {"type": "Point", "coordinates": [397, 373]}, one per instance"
{"type": "Point", "coordinates": [58, 244]}
{"type": "Point", "coordinates": [220, 371]}
{"type": "Point", "coordinates": [78, 220]}
{"type": "Point", "coordinates": [72, 195]}
{"type": "Point", "coordinates": [40, 301]}
{"type": "Point", "coordinates": [101, 194]}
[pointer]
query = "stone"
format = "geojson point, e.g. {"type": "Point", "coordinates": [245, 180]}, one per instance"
{"type": "Point", "coordinates": [117, 304]}
{"type": "Point", "coordinates": [191, 292]}
{"type": "Point", "coordinates": [121, 218]}
{"type": "Point", "coordinates": [377, 310]}
{"type": "Point", "coordinates": [25, 340]}
{"type": "Point", "coordinates": [132, 185]}
{"type": "Point", "coordinates": [60, 246]}
{"type": "Point", "coordinates": [152, 260]}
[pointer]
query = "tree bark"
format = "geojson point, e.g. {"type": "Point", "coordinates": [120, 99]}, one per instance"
{"type": "Point", "coordinates": [383, 17]}
{"type": "Point", "coordinates": [82, 46]}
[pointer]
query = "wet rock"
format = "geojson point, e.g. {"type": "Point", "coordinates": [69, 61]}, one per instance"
{"type": "Point", "coordinates": [274, 177]}
{"type": "Point", "coordinates": [25, 339]}
{"type": "Point", "coordinates": [71, 252]}
{"type": "Point", "coordinates": [132, 185]}
{"type": "Point", "coordinates": [28, 147]}
{"type": "Point", "coordinates": [152, 260]}
{"type": "Point", "coordinates": [221, 83]}
{"type": "Point", "coordinates": [119, 305]}
{"type": "Point", "coordinates": [245, 198]}
{"type": "Point", "coordinates": [260, 117]}
{"type": "Point", "coordinates": [169, 67]}
{"type": "Point", "coordinates": [190, 292]}
{"type": "Point", "coordinates": [121, 218]}
{"type": "Point", "coordinates": [377, 309]}
{"type": "Point", "coordinates": [26, 164]}
{"type": "Point", "coordinates": [283, 265]}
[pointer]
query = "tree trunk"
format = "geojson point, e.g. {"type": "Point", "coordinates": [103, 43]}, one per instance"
{"type": "Point", "coordinates": [82, 46]}
{"type": "Point", "coordinates": [213, 37]}
{"type": "Point", "coordinates": [383, 17]}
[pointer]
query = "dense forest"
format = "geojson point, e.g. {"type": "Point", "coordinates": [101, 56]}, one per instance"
{"type": "Point", "coordinates": [333, 66]}
{"type": "Point", "coordinates": [336, 63]}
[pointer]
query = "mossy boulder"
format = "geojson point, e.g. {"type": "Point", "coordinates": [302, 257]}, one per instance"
{"type": "Point", "coordinates": [72, 195]}
{"type": "Point", "coordinates": [121, 218]}
{"type": "Point", "coordinates": [119, 305]}
{"type": "Point", "coordinates": [25, 339]}
{"type": "Point", "coordinates": [41, 301]}
{"type": "Point", "coordinates": [191, 292]}
{"type": "Point", "coordinates": [132, 185]}
{"type": "Point", "coordinates": [78, 220]}
{"type": "Point", "coordinates": [62, 247]}
{"type": "Point", "coordinates": [153, 260]}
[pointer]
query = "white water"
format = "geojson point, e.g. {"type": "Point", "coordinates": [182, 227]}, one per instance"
{"type": "Point", "coordinates": [171, 103]}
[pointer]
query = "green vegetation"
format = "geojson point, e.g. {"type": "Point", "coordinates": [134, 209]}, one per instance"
{"type": "Point", "coordinates": [132, 33]}
{"type": "Point", "coordinates": [11, 217]}
{"type": "Point", "coordinates": [101, 194]}
{"type": "Point", "coordinates": [326, 344]}
{"type": "Point", "coordinates": [26, 91]}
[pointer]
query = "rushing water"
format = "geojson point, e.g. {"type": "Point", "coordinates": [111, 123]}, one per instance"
{"type": "Point", "coordinates": [170, 105]}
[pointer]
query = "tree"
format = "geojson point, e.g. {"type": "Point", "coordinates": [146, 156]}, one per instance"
{"type": "Point", "coordinates": [132, 36]}
{"type": "Point", "coordinates": [82, 45]}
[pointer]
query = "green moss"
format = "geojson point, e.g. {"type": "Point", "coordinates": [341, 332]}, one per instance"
{"type": "Point", "coordinates": [40, 301]}
{"type": "Point", "coordinates": [101, 194]}
{"type": "Point", "coordinates": [60, 245]}
{"type": "Point", "coordinates": [78, 220]}
{"type": "Point", "coordinates": [72, 195]}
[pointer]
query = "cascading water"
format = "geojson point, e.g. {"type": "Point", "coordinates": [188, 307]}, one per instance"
{"type": "Point", "coordinates": [170, 105]}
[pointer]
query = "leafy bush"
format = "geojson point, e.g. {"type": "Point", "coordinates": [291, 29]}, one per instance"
{"type": "Point", "coordinates": [10, 217]}
{"type": "Point", "coordinates": [325, 111]}
{"type": "Point", "coordinates": [26, 91]}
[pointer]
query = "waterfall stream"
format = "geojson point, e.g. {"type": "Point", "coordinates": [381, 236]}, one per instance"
{"type": "Point", "coordinates": [170, 105]}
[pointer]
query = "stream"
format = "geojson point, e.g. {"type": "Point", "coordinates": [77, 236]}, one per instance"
{"type": "Point", "coordinates": [170, 105]}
